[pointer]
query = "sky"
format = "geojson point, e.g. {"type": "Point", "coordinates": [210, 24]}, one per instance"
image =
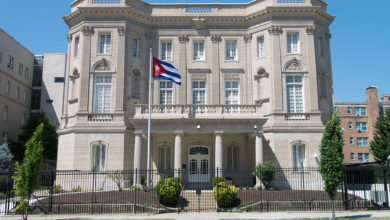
{"type": "Point", "coordinates": [360, 43]}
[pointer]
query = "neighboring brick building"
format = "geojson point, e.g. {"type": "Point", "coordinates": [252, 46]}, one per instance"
{"type": "Point", "coordinates": [358, 120]}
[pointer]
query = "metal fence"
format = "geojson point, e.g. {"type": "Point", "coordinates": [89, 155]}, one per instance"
{"type": "Point", "coordinates": [73, 192]}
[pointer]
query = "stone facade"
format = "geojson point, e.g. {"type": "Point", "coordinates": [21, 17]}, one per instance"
{"type": "Point", "coordinates": [273, 42]}
{"type": "Point", "coordinates": [16, 67]}
{"type": "Point", "coordinates": [356, 140]}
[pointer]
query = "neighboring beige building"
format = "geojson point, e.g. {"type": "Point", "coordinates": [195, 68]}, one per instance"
{"type": "Point", "coordinates": [16, 66]}
{"type": "Point", "coordinates": [256, 85]}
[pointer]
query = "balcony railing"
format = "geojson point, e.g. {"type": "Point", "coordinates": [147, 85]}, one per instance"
{"type": "Point", "coordinates": [297, 116]}
{"type": "Point", "coordinates": [100, 117]}
{"type": "Point", "coordinates": [291, 1]}
{"type": "Point", "coordinates": [106, 1]}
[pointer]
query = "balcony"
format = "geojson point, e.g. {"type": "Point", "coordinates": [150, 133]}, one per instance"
{"type": "Point", "coordinates": [199, 112]}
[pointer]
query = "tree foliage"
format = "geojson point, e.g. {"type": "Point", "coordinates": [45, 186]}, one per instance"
{"type": "Point", "coordinates": [27, 173]}
{"type": "Point", "coordinates": [49, 141]}
{"type": "Point", "coordinates": [331, 160]}
{"type": "Point", "coordinates": [6, 162]}
{"type": "Point", "coordinates": [380, 145]}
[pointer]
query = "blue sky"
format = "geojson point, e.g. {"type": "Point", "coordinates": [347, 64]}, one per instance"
{"type": "Point", "coordinates": [360, 41]}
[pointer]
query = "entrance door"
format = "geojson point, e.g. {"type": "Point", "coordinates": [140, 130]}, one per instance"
{"type": "Point", "coordinates": [199, 164]}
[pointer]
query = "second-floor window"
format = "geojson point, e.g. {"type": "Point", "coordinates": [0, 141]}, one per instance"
{"type": "Point", "coordinates": [8, 87]}
{"type": "Point", "coordinates": [260, 45]}
{"type": "Point", "coordinates": [25, 96]}
{"type": "Point", "coordinates": [293, 43]}
{"type": "Point", "coordinates": [231, 50]}
{"type": "Point", "coordinates": [76, 46]}
{"type": "Point", "coordinates": [26, 73]}
{"type": "Point", "coordinates": [166, 50]}
{"type": "Point", "coordinates": [10, 63]}
{"type": "Point", "coordinates": [361, 126]}
{"type": "Point", "coordinates": [102, 94]}
{"type": "Point", "coordinates": [20, 70]}
{"type": "Point", "coordinates": [362, 142]}
{"type": "Point", "coordinates": [360, 111]}
{"type": "Point", "coordinates": [105, 43]}
{"type": "Point", "coordinates": [165, 92]}
{"type": "Point", "coordinates": [199, 92]}
{"type": "Point", "coordinates": [363, 157]}
{"type": "Point", "coordinates": [199, 50]}
{"type": "Point", "coordinates": [232, 92]}
{"type": "Point", "coordinates": [136, 47]}
{"type": "Point", "coordinates": [294, 94]}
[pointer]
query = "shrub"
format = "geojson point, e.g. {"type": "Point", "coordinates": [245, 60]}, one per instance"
{"type": "Point", "coordinates": [76, 189]}
{"type": "Point", "coordinates": [218, 179]}
{"type": "Point", "coordinates": [266, 173]}
{"type": "Point", "coordinates": [6, 163]}
{"type": "Point", "coordinates": [57, 189]}
{"type": "Point", "coordinates": [168, 190]}
{"type": "Point", "coordinates": [117, 177]}
{"type": "Point", "coordinates": [225, 195]}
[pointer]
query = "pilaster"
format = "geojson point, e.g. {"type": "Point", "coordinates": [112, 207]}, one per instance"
{"type": "Point", "coordinates": [67, 74]}
{"type": "Point", "coordinates": [84, 70]}
{"type": "Point", "coordinates": [120, 74]}
{"type": "Point", "coordinates": [276, 78]}
{"type": "Point", "coordinates": [248, 96]}
{"type": "Point", "coordinates": [180, 97]}
{"type": "Point", "coordinates": [312, 68]}
{"type": "Point", "coordinates": [215, 69]}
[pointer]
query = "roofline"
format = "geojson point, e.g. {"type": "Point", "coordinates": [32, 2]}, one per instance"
{"type": "Point", "coordinates": [17, 42]}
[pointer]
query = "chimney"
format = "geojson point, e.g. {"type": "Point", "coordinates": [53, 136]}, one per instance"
{"type": "Point", "coordinates": [372, 109]}
{"type": "Point", "coordinates": [385, 98]}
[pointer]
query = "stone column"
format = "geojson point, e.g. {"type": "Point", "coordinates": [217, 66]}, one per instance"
{"type": "Point", "coordinates": [248, 97]}
{"type": "Point", "coordinates": [84, 72]}
{"type": "Point", "coordinates": [259, 153]}
{"type": "Point", "coordinates": [312, 68]}
{"type": "Point", "coordinates": [215, 70]}
{"type": "Point", "coordinates": [276, 80]}
{"type": "Point", "coordinates": [137, 157]}
{"type": "Point", "coordinates": [218, 153]}
{"type": "Point", "coordinates": [178, 156]}
{"type": "Point", "coordinates": [120, 74]}
{"type": "Point", "coordinates": [64, 118]}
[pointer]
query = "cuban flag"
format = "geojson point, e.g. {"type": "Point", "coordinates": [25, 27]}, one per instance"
{"type": "Point", "coordinates": [165, 70]}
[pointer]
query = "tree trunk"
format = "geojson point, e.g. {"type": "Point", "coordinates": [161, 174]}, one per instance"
{"type": "Point", "coordinates": [333, 213]}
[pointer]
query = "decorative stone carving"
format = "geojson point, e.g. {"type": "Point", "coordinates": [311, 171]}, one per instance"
{"type": "Point", "coordinates": [199, 23]}
{"type": "Point", "coordinates": [311, 29]}
{"type": "Point", "coordinates": [102, 66]}
{"type": "Point", "coordinates": [69, 37]}
{"type": "Point", "coordinates": [275, 30]}
{"type": "Point", "coordinates": [247, 38]}
{"type": "Point", "coordinates": [150, 36]}
{"type": "Point", "coordinates": [86, 30]}
{"type": "Point", "coordinates": [121, 30]}
{"type": "Point", "coordinates": [183, 38]}
{"type": "Point", "coordinates": [294, 65]}
{"type": "Point", "coordinates": [215, 38]}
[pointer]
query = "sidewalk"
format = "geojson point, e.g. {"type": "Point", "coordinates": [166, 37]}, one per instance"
{"type": "Point", "coordinates": [215, 215]}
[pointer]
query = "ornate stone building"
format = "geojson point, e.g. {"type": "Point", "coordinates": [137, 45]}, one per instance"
{"type": "Point", "coordinates": [256, 85]}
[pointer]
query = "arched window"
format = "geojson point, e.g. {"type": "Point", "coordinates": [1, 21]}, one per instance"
{"type": "Point", "coordinates": [136, 84]}
{"type": "Point", "coordinates": [232, 157]}
{"type": "Point", "coordinates": [298, 156]}
{"type": "Point", "coordinates": [165, 158]}
{"type": "Point", "coordinates": [99, 157]}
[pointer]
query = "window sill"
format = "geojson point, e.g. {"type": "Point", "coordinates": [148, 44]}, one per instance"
{"type": "Point", "coordinates": [199, 61]}
{"type": "Point", "coordinates": [294, 54]}
{"type": "Point", "coordinates": [72, 101]}
{"type": "Point", "coordinates": [231, 61]}
{"type": "Point", "coordinates": [260, 58]}
{"type": "Point", "coordinates": [104, 54]}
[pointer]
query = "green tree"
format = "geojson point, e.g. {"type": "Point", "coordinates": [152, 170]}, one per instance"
{"type": "Point", "coordinates": [6, 163]}
{"type": "Point", "coordinates": [27, 173]}
{"type": "Point", "coordinates": [380, 145]}
{"type": "Point", "coordinates": [331, 160]}
{"type": "Point", "coordinates": [50, 140]}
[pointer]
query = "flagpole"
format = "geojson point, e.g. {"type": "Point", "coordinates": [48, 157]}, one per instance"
{"type": "Point", "coordinates": [149, 122]}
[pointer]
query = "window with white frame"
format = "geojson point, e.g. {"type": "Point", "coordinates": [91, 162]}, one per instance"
{"type": "Point", "coordinates": [26, 73]}
{"type": "Point", "coordinates": [20, 70]}
{"type": "Point", "coordinates": [363, 157]}
{"type": "Point", "coordinates": [231, 50]}
{"type": "Point", "coordinates": [350, 125]}
{"type": "Point", "coordinates": [166, 50]}
{"type": "Point", "coordinates": [260, 47]}
{"type": "Point", "coordinates": [23, 119]}
{"type": "Point", "coordinates": [136, 47]}
{"type": "Point", "coordinates": [352, 156]}
{"type": "Point", "coordinates": [361, 126]}
{"type": "Point", "coordinates": [232, 92]}
{"type": "Point", "coordinates": [199, 92]}
{"type": "Point", "coordinates": [76, 46]}
{"type": "Point", "coordinates": [349, 110]}
{"type": "Point", "coordinates": [362, 142]}
{"type": "Point", "coordinates": [99, 157]}
{"type": "Point", "coordinates": [232, 157]}
{"type": "Point", "coordinates": [351, 141]}
{"type": "Point", "coordinates": [102, 94]}
{"type": "Point", "coordinates": [199, 50]}
{"type": "Point", "coordinates": [5, 114]}
{"type": "Point", "coordinates": [7, 87]}
{"type": "Point", "coordinates": [10, 63]}
{"type": "Point", "coordinates": [165, 92]}
{"type": "Point", "coordinates": [105, 43]}
{"type": "Point", "coordinates": [299, 156]}
{"type": "Point", "coordinates": [294, 94]}
{"type": "Point", "coordinates": [360, 111]}
{"type": "Point", "coordinates": [165, 158]}
{"type": "Point", "coordinates": [293, 43]}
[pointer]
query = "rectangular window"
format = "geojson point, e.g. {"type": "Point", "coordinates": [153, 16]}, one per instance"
{"type": "Point", "coordinates": [23, 119]}
{"type": "Point", "coordinates": [351, 141]}
{"type": "Point", "coordinates": [26, 73]}
{"type": "Point", "coordinates": [199, 50]}
{"type": "Point", "coordinates": [99, 158]}
{"type": "Point", "coordinates": [20, 70]}
{"type": "Point", "coordinates": [76, 46]}
{"type": "Point", "coordinates": [349, 110]}
{"type": "Point", "coordinates": [165, 158]}
{"type": "Point", "coordinates": [199, 92]}
{"type": "Point", "coordinates": [59, 79]}
{"type": "Point", "coordinates": [352, 156]}
{"type": "Point", "coordinates": [102, 94]}
{"type": "Point", "coordinates": [10, 63]}
{"type": "Point", "coordinates": [361, 126]}
{"type": "Point", "coordinates": [321, 46]}
{"type": "Point", "coordinates": [294, 94]}
{"type": "Point", "coordinates": [350, 125]}
{"type": "Point", "coordinates": [17, 92]}
{"type": "Point", "coordinates": [260, 46]}
{"type": "Point", "coordinates": [360, 111]}
{"type": "Point", "coordinates": [25, 96]}
{"type": "Point", "coordinates": [5, 115]}
{"type": "Point", "coordinates": [8, 87]}
{"type": "Point", "coordinates": [136, 47]}
{"type": "Point", "coordinates": [362, 142]}
{"type": "Point", "coordinates": [232, 94]}
{"type": "Point", "coordinates": [231, 50]}
{"type": "Point", "coordinates": [165, 92]}
{"type": "Point", "coordinates": [293, 43]}
{"type": "Point", "coordinates": [363, 157]}
{"type": "Point", "coordinates": [166, 51]}
{"type": "Point", "coordinates": [105, 43]}
{"type": "Point", "coordinates": [299, 156]}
